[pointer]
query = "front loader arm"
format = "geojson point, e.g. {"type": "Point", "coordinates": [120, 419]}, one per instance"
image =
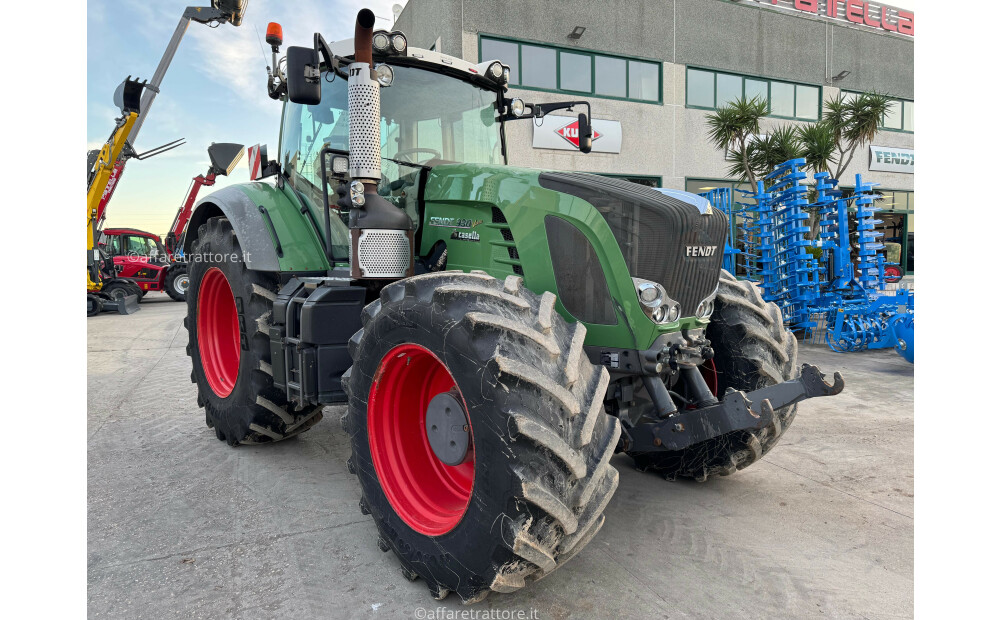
{"type": "Point", "coordinates": [100, 174]}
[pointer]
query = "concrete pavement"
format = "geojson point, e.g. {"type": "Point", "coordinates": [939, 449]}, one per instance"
{"type": "Point", "coordinates": [181, 525]}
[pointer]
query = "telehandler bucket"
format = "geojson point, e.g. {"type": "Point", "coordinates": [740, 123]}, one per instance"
{"type": "Point", "coordinates": [128, 304]}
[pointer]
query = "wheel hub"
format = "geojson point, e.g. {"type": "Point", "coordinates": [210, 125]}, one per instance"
{"type": "Point", "coordinates": [181, 284]}
{"type": "Point", "coordinates": [447, 429]}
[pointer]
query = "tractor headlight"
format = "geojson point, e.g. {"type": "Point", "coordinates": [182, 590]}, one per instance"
{"type": "Point", "coordinates": [516, 107]}
{"type": "Point", "coordinates": [655, 302]}
{"type": "Point", "coordinates": [506, 74]}
{"type": "Point", "coordinates": [357, 193]}
{"type": "Point", "coordinates": [383, 73]}
{"type": "Point", "coordinates": [495, 70]}
{"type": "Point", "coordinates": [399, 43]}
{"type": "Point", "coordinates": [340, 165]}
{"type": "Point", "coordinates": [651, 294]}
{"type": "Point", "coordinates": [707, 305]}
{"type": "Point", "coordinates": [381, 42]}
{"type": "Point", "coordinates": [674, 313]}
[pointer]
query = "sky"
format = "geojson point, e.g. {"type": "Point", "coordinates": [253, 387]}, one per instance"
{"type": "Point", "coordinates": [214, 91]}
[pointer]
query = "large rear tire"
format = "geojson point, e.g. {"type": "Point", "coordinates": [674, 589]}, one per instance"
{"type": "Point", "coordinates": [752, 350]}
{"type": "Point", "coordinates": [536, 479]}
{"type": "Point", "coordinates": [229, 311]}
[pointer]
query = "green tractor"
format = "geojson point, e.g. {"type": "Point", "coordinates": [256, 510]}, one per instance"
{"type": "Point", "coordinates": [496, 333]}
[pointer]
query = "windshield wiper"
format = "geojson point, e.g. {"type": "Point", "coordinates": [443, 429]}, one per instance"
{"type": "Point", "coordinates": [407, 163]}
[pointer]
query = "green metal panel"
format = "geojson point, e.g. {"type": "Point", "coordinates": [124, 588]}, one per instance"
{"type": "Point", "coordinates": [301, 249]}
{"type": "Point", "coordinates": [459, 201]}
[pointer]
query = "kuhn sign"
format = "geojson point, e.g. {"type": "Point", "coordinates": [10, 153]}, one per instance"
{"type": "Point", "coordinates": [857, 12]}
{"type": "Point", "coordinates": [563, 133]}
{"type": "Point", "coordinates": [571, 133]}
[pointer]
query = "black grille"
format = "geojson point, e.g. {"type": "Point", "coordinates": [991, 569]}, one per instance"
{"type": "Point", "coordinates": [498, 218]}
{"type": "Point", "coordinates": [580, 281]}
{"type": "Point", "coordinates": [654, 233]}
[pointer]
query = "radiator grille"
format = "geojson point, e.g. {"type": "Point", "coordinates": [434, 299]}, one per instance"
{"type": "Point", "coordinates": [653, 232]}
{"type": "Point", "coordinates": [383, 253]}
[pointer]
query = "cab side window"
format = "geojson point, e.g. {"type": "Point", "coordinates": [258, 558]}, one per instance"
{"type": "Point", "coordinates": [112, 245]}
{"type": "Point", "coordinates": [137, 246]}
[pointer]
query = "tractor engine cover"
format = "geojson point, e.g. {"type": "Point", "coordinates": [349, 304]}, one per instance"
{"type": "Point", "coordinates": [662, 238]}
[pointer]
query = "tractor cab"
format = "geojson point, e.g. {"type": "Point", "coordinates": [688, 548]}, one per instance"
{"type": "Point", "coordinates": [435, 110]}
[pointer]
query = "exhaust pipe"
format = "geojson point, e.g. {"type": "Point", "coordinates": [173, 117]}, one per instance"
{"type": "Point", "coordinates": [381, 233]}
{"type": "Point", "coordinates": [364, 109]}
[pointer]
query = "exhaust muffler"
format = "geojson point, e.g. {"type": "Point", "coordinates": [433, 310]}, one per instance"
{"type": "Point", "coordinates": [381, 233]}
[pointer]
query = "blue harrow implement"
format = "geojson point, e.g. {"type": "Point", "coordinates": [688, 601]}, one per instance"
{"type": "Point", "coordinates": [818, 269]}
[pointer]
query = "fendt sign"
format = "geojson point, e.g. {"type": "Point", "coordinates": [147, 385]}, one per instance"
{"type": "Point", "coordinates": [858, 12]}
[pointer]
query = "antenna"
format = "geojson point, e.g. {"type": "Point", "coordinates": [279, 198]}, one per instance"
{"type": "Point", "coordinates": [262, 52]}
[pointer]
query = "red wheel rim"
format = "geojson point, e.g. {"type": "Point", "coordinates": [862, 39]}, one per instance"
{"type": "Point", "coordinates": [893, 274]}
{"type": "Point", "coordinates": [428, 495]}
{"type": "Point", "coordinates": [218, 332]}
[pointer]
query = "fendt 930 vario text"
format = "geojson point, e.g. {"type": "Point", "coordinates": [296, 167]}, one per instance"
{"type": "Point", "coordinates": [496, 333]}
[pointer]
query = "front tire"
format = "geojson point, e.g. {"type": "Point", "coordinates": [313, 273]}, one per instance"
{"type": "Point", "coordinates": [118, 290]}
{"type": "Point", "coordinates": [177, 282]}
{"type": "Point", "coordinates": [94, 305]}
{"type": "Point", "coordinates": [893, 273]}
{"type": "Point", "coordinates": [752, 350]}
{"type": "Point", "coordinates": [229, 311]}
{"type": "Point", "coordinates": [536, 478]}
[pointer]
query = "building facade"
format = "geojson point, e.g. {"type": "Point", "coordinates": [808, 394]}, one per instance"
{"type": "Point", "coordinates": [653, 69]}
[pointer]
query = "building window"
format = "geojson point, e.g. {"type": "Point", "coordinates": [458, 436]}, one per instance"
{"type": "Point", "coordinates": [898, 118]}
{"type": "Point", "coordinates": [641, 179]}
{"type": "Point", "coordinates": [541, 66]}
{"type": "Point", "coordinates": [538, 67]}
{"type": "Point", "coordinates": [714, 89]}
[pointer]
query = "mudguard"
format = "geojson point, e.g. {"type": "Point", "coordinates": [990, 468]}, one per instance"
{"type": "Point", "coordinates": [273, 231]}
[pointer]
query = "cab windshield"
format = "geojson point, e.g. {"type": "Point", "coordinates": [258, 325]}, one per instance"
{"type": "Point", "coordinates": [427, 119]}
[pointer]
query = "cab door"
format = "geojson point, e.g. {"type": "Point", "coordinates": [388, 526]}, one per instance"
{"type": "Point", "coordinates": [133, 255]}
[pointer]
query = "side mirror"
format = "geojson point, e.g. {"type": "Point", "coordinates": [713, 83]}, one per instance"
{"type": "Point", "coordinates": [586, 133]}
{"type": "Point", "coordinates": [302, 74]}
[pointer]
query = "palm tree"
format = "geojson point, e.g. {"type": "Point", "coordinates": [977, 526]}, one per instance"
{"type": "Point", "coordinates": [852, 121]}
{"type": "Point", "coordinates": [772, 150]}
{"type": "Point", "coordinates": [733, 127]}
{"type": "Point", "coordinates": [818, 144]}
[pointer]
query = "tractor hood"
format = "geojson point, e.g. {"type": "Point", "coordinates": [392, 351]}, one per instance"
{"type": "Point", "coordinates": [663, 238]}
{"type": "Point", "coordinates": [507, 219]}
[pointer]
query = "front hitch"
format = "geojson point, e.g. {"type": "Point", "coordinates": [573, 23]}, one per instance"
{"type": "Point", "coordinates": [736, 411]}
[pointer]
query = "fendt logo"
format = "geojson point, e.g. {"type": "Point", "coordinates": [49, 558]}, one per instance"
{"type": "Point", "coordinates": [700, 250]}
{"type": "Point", "coordinates": [571, 133]}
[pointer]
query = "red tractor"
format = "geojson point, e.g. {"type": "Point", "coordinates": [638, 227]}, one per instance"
{"type": "Point", "coordinates": [141, 257]}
